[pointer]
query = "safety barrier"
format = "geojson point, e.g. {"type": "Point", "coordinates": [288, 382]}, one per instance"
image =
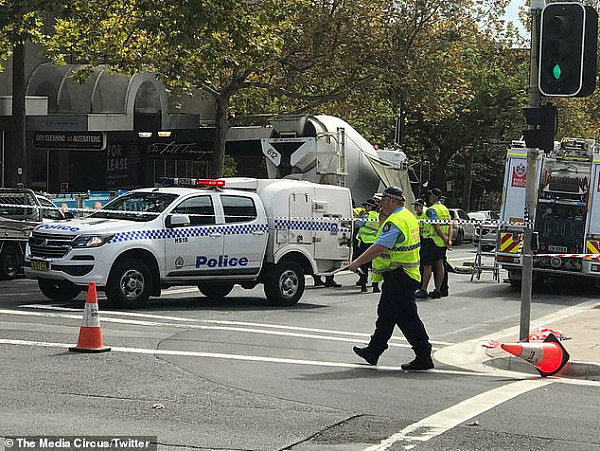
{"type": "Point", "coordinates": [84, 210]}
{"type": "Point", "coordinates": [283, 220]}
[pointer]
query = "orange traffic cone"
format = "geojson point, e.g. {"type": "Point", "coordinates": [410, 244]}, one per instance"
{"type": "Point", "coordinates": [548, 357]}
{"type": "Point", "coordinates": [90, 335]}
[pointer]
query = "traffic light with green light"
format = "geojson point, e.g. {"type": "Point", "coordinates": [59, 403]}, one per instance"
{"type": "Point", "coordinates": [568, 42]}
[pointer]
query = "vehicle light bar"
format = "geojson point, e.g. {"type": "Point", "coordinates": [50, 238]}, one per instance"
{"type": "Point", "coordinates": [210, 182]}
{"type": "Point", "coordinates": [189, 182]}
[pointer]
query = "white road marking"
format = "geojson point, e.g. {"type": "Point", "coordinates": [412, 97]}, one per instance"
{"type": "Point", "coordinates": [106, 319]}
{"type": "Point", "coordinates": [447, 419]}
{"type": "Point", "coordinates": [248, 358]}
{"type": "Point", "coordinates": [210, 321]}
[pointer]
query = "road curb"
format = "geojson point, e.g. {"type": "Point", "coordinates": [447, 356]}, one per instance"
{"type": "Point", "coordinates": [573, 369]}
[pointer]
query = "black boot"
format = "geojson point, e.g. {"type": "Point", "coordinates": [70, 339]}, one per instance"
{"type": "Point", "coordinates": [368, 354]}
{"type": "Point", "coordinates": [420, 363]}
{"type": "Point", "coordinates": [376, 287]}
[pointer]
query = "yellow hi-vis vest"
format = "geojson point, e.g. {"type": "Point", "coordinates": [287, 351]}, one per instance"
{"type": "Point", "coordinates": [444, 215]}
{"type": "Point", "coordinates": [367, 233]}
{"type": "Point", "coordinates": [404, 254]}
{"type": "Point", "coordinates": [423, 227]}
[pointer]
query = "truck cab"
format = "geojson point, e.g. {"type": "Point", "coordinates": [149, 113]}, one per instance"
{"type": "Point", "coordinates": [20, 211]}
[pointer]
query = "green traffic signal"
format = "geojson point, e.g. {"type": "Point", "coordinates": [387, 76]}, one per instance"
{"type": "Point", "coordinates": [556, 72]}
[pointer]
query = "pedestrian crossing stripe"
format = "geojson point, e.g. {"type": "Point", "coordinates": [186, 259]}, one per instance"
{"type": "Point", "coordinates": [511, 243]}
{"type": "Point", "coordinates": [592, 247]}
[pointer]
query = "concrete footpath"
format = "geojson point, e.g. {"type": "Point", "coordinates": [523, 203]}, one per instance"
{"type": "Point", "coordinates": [581, 323]}
{"type": "Point", "coordinates": [583, 346]}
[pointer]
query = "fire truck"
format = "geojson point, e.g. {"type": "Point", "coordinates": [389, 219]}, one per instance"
{"type": "Point", "coordinates": [566, 217]}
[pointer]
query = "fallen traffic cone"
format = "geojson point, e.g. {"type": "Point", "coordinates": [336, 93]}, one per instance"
{"type": "Point", "coordinates": [548, 357]}
{"type": "Point", "coordinates": [90, 335]}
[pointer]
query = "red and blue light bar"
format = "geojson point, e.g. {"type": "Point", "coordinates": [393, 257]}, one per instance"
{"type": "Point", "coordinates": [190, 182]}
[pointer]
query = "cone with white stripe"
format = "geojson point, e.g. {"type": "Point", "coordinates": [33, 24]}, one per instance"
{"type": "Point", "coordinates": [548, 357]}
{"type": "Point", "coordinates": [90, 335]}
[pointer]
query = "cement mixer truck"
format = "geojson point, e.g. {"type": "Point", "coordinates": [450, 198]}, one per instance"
{"type": "Point", "coordinates": [327, 150]}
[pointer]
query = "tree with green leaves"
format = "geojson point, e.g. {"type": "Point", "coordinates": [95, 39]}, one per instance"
{"type": "Point", "coordinates": [219, 46]}
{"type": "Point", "coordinates": [21, 21]}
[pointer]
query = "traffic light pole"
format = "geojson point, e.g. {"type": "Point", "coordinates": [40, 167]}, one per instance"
{"type": "Point", "coordinates": [530, 186]}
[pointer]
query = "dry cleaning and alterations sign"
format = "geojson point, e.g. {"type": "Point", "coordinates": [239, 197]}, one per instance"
{"type": "Point", "coordinates": [69, 140]}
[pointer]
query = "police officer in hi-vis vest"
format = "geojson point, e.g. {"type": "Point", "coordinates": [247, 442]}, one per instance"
{"type": "Point", "coordinates": [395, 255]}
{"type": "Point", "coordinates": [437, 239]}
{"type": "Point", "coordinates": [368, 226]}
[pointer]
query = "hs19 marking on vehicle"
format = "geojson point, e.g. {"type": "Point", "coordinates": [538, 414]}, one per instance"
{"type": "Point", "coordinates": [222, 262]}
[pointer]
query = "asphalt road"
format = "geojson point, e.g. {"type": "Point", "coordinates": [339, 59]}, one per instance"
{"type": "Point", "coordinates": [242, 375]}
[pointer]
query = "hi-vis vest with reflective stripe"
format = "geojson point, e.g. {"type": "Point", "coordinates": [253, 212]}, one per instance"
{"type": "Point", "coordinates": [405, 254]}
{"type": "Point", "coordinates": [423, 227]}
{"type": "Point", "coordinates": [444, 215]}
{"type": "Point", "coordinates": [368, 231]}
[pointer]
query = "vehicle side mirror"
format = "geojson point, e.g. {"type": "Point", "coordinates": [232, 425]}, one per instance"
{"type": "Point", "coordinates": [178, 220]}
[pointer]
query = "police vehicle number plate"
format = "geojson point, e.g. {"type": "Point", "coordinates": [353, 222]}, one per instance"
{"type": "Point", "coordinates": [39, 265]}
{"type": "Point", "coordinates": [553, 248]}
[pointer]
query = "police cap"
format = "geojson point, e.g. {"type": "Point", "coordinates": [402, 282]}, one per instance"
{"type": "Point", "coordinates": [369, 203]}
{"type": "Point", "coordinates": [435, 192]}
{"type": "Point", "coordinates": [394, 192]}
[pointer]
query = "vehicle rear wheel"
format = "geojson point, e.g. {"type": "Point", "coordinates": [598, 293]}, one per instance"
{"type": "Point", "coordinates": [216, 290]}
{"type": "Point", "coordinates": [284, 283]}
{"type": "Point", "coordinates": [129, 283]}
{"type": "Point", "coordinates": [58, 290]}
{"type": "Point", "coordinates": [9, 261]}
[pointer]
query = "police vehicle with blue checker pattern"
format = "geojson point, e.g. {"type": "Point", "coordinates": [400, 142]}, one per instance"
{"type": "Point", "coordinates": [209, 233]}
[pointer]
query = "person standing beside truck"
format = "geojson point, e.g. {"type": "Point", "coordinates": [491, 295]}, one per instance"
{"type": "Point", "coordinates": [435, 245]}
{"type": "Point", "coordinates": [395, 255]}
{"type": "Point", "coordinates": [368, 226]}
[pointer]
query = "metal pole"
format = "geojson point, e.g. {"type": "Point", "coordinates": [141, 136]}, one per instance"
{"type": "Point", "coordinates": [530, 187]}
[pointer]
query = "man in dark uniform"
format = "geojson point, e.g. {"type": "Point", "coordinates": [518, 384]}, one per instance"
{"type": "Point", "coordinates": [395, 254]}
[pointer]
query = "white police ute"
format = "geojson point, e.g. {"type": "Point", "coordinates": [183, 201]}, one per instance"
{"type": "Point", "coordinates": [209, 233]}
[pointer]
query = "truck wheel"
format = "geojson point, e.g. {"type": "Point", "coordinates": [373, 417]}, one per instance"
{"type": "Point", "coordinates": [514, 278]}
{"type": "Point", "coordinates": [9, 261]}
{"type": "Point", "coordinates": [58, 290]}
{"type": "Point", "coordinates": [129, 283]}
{"type": "Point", "coordinates": [284, 283]}
{"type": "Point", "coordinates": [215, 290]}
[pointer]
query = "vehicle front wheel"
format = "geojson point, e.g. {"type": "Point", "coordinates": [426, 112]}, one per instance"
{"type": "Point", "coordinates": [284, 283]}
{"type": "Point", "coordinates": [129, 283]}
{"type": "Point", "coordinates": [9, 261]}
{"type": "Point", "coordinates": [215, 290]}
{"type": "Point", "coordinates": [58, 290]}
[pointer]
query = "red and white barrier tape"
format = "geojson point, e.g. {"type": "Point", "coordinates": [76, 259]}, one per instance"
{"type": "Point", "coordinates": [539, 335]}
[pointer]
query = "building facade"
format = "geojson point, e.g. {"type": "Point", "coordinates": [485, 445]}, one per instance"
{"type": "Point", "coordinates": [110, 132]}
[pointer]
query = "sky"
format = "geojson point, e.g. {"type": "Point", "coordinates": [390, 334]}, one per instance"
{"type": "Point", "coordinates": [512, 12]}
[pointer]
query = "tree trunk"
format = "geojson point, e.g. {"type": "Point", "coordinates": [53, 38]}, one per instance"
{"type": "Point", "coordinates": [467, 179]}
{"type": "Point", "coordinates": [215, 169]}
{"type": "Point", "coordinates": [19, 157]}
